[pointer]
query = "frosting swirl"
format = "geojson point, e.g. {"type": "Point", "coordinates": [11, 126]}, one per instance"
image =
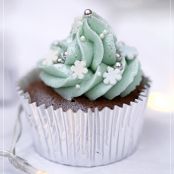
{"type": "Point", "coordinates": [91, 62]}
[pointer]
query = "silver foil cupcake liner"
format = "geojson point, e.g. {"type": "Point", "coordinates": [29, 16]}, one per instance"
{"type": "Point", "coordinates": [81, 138]}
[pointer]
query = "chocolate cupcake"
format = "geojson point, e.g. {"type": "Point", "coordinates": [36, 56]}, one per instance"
{"type": "Point", "coordinates": [85, 100]}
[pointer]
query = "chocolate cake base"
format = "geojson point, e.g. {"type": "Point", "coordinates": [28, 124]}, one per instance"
{"type": "Point", "coordinates": [42, 94]}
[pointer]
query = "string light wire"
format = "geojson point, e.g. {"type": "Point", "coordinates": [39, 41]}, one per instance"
{"type": "Point", "coordinates": [15, 160]}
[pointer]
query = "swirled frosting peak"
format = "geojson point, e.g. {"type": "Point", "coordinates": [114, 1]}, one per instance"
{"type": "Point", "coordinates": [91, 62]}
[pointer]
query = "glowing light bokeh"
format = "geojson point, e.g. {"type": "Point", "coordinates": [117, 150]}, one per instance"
{"type": "Point", "coordinates": [41, 172]}
{"type": "Point", "coordinates": [161, 102]}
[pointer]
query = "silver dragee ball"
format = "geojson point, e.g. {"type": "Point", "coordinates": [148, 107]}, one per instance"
{"type": "Point", "coordinates": [118, 57]}
{"type": "Point", "coordinates": [88, 12]}
{"type": "Point", "coordinates": [119, 65]}
{"type": "Point", "coordinates": [65, 54]}
{"type": "Point", "coordinates": [60, 60]}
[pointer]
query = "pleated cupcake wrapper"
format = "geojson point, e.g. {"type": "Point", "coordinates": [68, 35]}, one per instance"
{"type": "Point", "coordinates": [81, 138]}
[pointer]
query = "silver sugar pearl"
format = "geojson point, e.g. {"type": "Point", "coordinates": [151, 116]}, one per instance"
{"type": "Point", "coordinates": [82, 38]}
{"type": "Point", "coordinates": [65, 54]}
{"type": "Point", "coordinates": [118, 65]}
{"type": "Point", "coordinates": [60, 60]}
{"type": "Point", "coordinates": [102, 36]}
{"type": "Point", "coordinates": [105, 32]}
{"type": "Point", "coordinates": [77, 86]}
{"type": "Point", "coordinates": [88, 12]}
{"type": "Point", "coordinates": [118, 57]}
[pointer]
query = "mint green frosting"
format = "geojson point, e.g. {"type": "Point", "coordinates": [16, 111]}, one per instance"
{"type": "Point", "coordinates": [91, 62]}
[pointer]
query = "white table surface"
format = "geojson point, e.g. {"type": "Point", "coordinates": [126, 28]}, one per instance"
{"type": "Point", "coordinates": [152, 157]}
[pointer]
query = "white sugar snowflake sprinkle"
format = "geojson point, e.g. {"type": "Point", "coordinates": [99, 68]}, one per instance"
{"type": "Point", "coordinates": [127, 51]}
{"type": "Point", "coordinates": [79, 69]}
{"type": "Point", "coordinates": [112, 76]}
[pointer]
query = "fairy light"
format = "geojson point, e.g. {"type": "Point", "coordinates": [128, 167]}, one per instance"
{"type": "Point", "coordinates": [161, 102]}
{"type": "Point", "coordinates": [41, 172]}
{"type": "Point", "coordinates": [15, 160]}
{"type": "Point", "coordinates": [20, 163]}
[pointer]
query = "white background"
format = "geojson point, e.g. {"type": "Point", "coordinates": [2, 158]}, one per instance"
{"type": "Point", "coordinates": [30, 27]}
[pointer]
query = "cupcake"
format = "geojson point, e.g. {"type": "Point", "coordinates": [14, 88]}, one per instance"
{"type": "Point", "coordinates": [85, 99]}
